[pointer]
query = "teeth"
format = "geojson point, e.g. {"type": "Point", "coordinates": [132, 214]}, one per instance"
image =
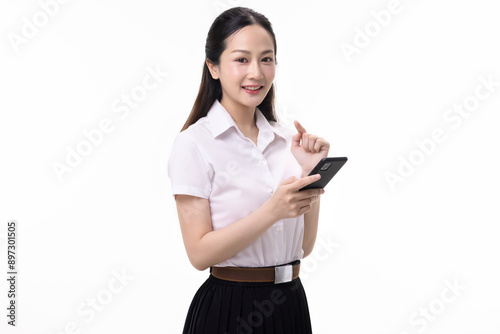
{"type": "Point", "coordinates": [253, 88]}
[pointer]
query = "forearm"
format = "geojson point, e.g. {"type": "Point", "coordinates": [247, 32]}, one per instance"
{"type": "Point", "coordinates": [222, 244]}
{"type": "Point", "coordinates": [311, 219]}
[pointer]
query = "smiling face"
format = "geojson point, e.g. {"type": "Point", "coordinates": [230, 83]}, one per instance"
{"type": "Point", "coordinates": [246, 68]}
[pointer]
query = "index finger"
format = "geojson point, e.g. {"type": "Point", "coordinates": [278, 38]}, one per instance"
{"type": "Point", "coordinates": [302, 182]}
{"type": "Point", "coordinates": [299, 127]}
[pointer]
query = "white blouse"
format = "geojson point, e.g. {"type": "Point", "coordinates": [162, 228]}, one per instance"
{"type": "Point", "coordinates": [213, 159]}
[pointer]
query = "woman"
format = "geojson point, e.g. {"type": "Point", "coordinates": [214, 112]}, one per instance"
{"type": "Point", "coordinates": [235, 175]}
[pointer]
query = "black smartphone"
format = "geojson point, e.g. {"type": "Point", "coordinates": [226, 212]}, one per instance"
{"type": "Point", "coordinates": [327, 167]}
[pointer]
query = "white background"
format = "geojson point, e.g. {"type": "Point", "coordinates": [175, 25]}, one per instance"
{"type": "Point", "coordinates": [383, 254]}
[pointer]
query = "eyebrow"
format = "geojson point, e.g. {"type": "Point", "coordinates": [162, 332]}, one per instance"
{"type": "Point", "coordinates": [248, 52]}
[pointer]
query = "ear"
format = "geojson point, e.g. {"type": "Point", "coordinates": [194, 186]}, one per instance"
{"type": "Point", "coordinates": [213, 69]}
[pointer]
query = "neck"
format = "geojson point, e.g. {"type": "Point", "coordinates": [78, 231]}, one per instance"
{"type": "Point", "coordinates": [244, 116]}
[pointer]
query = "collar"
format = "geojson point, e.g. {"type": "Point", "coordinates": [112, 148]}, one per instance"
{"type": "Point", "coordinates": [220, 121]}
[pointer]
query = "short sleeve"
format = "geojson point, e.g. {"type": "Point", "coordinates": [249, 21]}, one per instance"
{"type": "Point", "coordinates": [188, 170]}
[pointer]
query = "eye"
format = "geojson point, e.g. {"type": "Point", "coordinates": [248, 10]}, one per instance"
{"type": "Point", "coordinates": [240, 60]}
{"type": "Point", "coordinates": [269, 59]}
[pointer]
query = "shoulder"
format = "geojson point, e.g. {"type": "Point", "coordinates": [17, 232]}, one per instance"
{"type": "Point", "coordinates": [195, 134]}
{"type": "Point", "coordinates": [190, 147]}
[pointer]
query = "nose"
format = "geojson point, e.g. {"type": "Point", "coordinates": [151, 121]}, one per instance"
{"type": "Point", "coordinates": [255, 71]}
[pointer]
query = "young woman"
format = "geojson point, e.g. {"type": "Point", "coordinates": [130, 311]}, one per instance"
{"type": "Point", "coordinates": [236, 174]}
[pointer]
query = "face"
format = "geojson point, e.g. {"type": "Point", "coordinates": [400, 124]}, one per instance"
{"type": "Point", "coordinates": [247, 67]}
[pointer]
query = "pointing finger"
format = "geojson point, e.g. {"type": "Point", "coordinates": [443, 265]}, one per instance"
{"type": "Point", "coordinates": [299, 127]}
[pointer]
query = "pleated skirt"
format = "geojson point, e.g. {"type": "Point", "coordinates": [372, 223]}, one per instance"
{"type": "Point", "coordinates": [226, 307]}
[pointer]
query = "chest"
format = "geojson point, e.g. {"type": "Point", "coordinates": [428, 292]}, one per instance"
{"type": "Point", "coordinates": [242, 172]}
{"type": "Point", "coordinates": [243, 175]}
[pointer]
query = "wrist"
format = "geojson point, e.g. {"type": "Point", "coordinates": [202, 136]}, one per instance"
{"type": "Point", "coordinates": [269, 212]}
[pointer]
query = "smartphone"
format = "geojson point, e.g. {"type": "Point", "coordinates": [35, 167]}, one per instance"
{"type": "Point", "coordinates": [327, 167]}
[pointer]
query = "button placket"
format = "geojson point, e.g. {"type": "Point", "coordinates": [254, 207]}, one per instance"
{"type": "Point", "coordinates": [267, 176]}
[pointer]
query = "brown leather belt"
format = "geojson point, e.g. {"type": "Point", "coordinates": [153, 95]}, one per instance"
{"type": "Point", "coordinates": [278, 274]}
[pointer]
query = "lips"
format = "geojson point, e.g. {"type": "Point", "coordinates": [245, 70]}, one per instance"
{"type": "Point", "coordinates": [252, 89]}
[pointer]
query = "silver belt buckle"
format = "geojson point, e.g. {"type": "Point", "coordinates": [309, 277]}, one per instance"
{"type": "Point", "coordinates": [283, 274]}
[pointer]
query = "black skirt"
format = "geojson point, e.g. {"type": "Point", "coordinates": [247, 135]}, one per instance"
{"type": "Point", "coordinates": [226, 307]}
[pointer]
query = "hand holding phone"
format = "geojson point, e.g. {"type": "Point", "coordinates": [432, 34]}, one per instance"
{"type": "Point", "coordinates": [327, 167]}
{"type": "Point", "coordinates": [288, 202]}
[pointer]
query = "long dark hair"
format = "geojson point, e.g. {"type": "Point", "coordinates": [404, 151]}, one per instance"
{"type": "Point", "coordinates": [226, 24]}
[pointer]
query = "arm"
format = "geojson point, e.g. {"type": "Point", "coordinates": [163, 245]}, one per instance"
{"type": "Point", "coordinates": [310, 228]}
{"type": "Point", "coordinates": [206, 247]}
{"type": "Point", "coordinates": [311, 219]}
{"type": "Point", "coordinates": [308, 154]}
